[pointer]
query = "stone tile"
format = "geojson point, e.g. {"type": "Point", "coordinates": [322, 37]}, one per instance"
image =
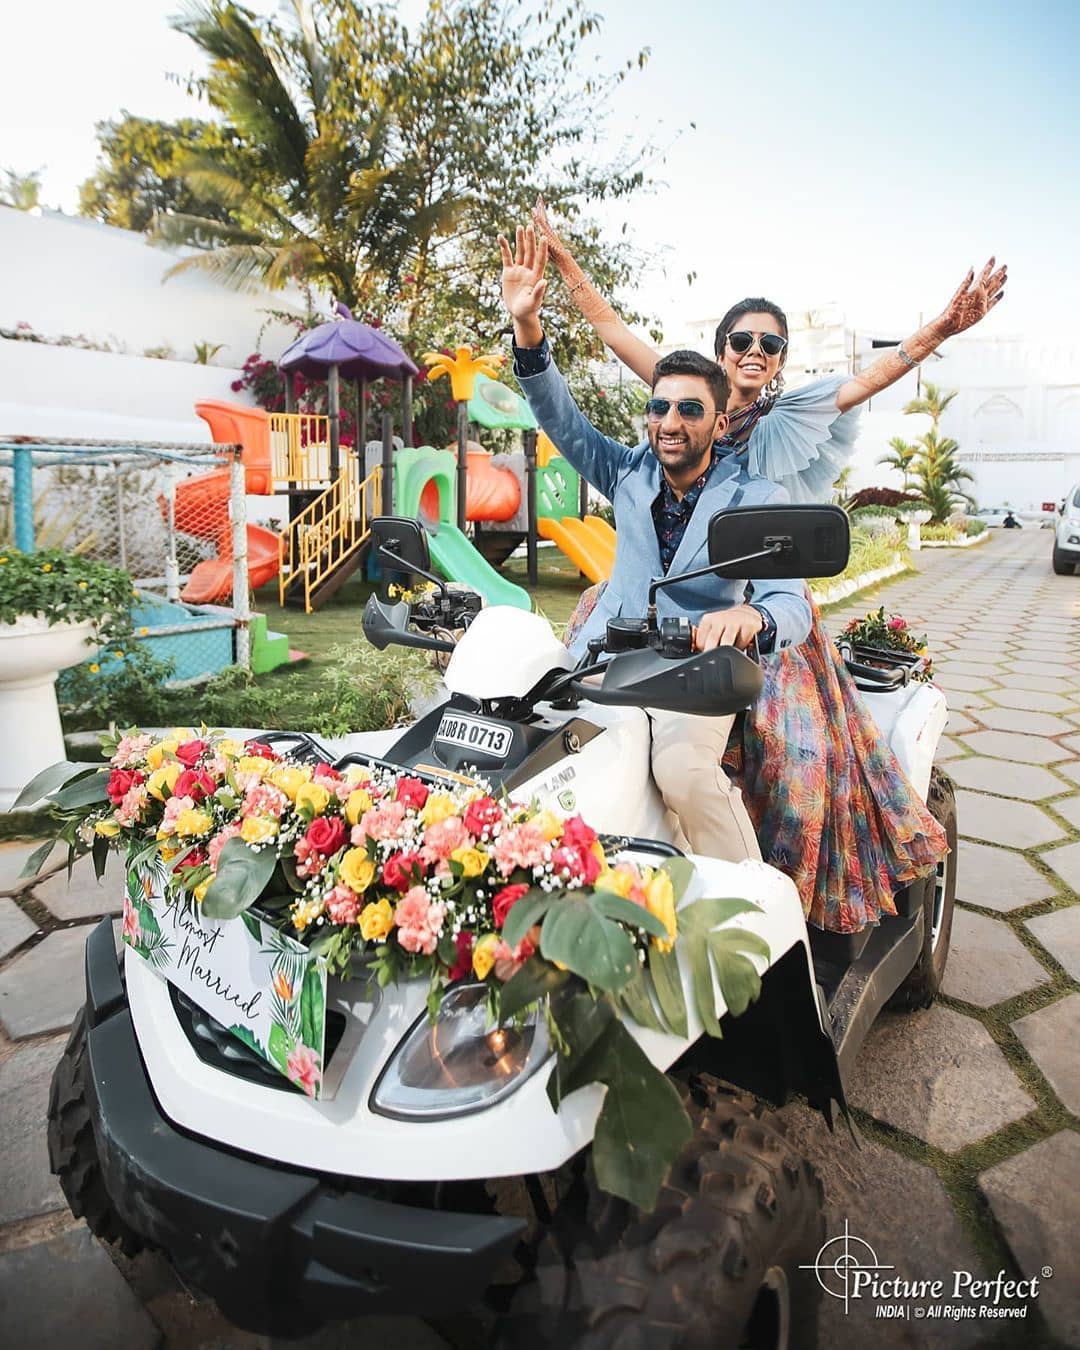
{"type": "Point", "coordinates": [1070, 768]}
{"type": "Point", "coordinates": [1033, 1199]}
{"type": "Point", "coordinates": [84, 897]}
{"type": "Point", "coordinates": [1024, 666]}
{"type": "Point", "coordinates": [1017, 719]}
{"type": "Point", "coordinates": [95, 1310]}
{"type": "Point", "coordinates": [1030, 700]}
{"type": "Point", "coordinates": [1011, 745]}
{"type": "Point", "coordinates": [937, 1075]}
{"type": "Point", "coordinates": [15, 927]}
{"type": "Point", "coordinates": [1071, 743]}
{"type": "Point", "coordinates": [988, 962]}
{"type": "Point", "coordinates": [948, 749]}
{"type": "Point", "coordinates": [1047, 684]}
{"type": "Point", "coordinates": [1015, 824]}
{"type": "Point", "coordinates": [1069, 807]}
{"type": "Point", "coordinates": [959, 722]}
{"type": "Point", "coordinates": [997, 879]}
{"type": "Point", "coordinates": [1051, 1037]}
{"type": "Point", "coordinates": [966, 665]}
{"type": "Point", "coordinates": [955, 683]}
{"type": "Point", "coordinates": [12, 859]}
{"type": "Point", "coordinates": [884, 1198]}
{"type": "Point", "coordinates": [26, 1186]}
{"type": "Point", "coordinates": [960, 698]}
{"type": "Point", "coordinates": [44, 989]}
{"type": "Point", "coordinates": [1059, 931]}
{"type": "Point", "coordinates": [1027, 781]}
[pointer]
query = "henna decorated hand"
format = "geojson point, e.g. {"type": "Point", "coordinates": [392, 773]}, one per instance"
{"type": "Point", "coordinates": [523, 283]}
{"type": "Point", "coordinates": [974, 298]}
{"type": "Point", "coordinates": [560, 254]}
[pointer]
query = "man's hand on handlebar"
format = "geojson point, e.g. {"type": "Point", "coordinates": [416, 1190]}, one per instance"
{"type": "Point", "coordinates": [735, 627]}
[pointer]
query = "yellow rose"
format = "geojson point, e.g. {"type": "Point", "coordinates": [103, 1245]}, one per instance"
{"type": "Point", "coordinates": [356, 804]}
{"type": "Point", "coordinates": [164, 778]}
{"type": "Point", "coordinates": [312, 797]}
{"type": "Point", "coordinates": [193, 821]}
{"type": "Point", "coordinates": [548, 823]}
{"type": "Point", "coordinates": [438, 807]}
{"type": "Point", "coordinates": [305, 912]}
{"type": "Point", "coordinates": [356, 870]}
{"type": "Point", "coordinates": [619, 879]}
{"type": "Point", "coordinates": [167, 854]}
{"type": "Point", "coordinates": [258, 829]}
{"type": "Point", "coordinates": [660, 901]}
{"type": "Point", "coordinates": [472, 860]}
{"type": "Point", "coordinates": [376, 920]}
{"type": "Point", "coordinates": [356, 773]}
{"type": "Point", "coordinates": [108, 829]}
{"type": "Point", "coordinates": [229, 748]}
{"type": "Point", "coordinates": [200, 890]}
{"type": "Point", "coordinates": [483, 955]}
{"type": "Point", "coordinates": [155, 756]}
{"type": "Point", "coordinates": [254, 764]}
{"type": "Point", "coordinates": [289, 778]}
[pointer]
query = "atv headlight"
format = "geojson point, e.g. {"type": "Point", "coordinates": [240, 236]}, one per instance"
{"type": "Point", "coordinates": [460, 1063]}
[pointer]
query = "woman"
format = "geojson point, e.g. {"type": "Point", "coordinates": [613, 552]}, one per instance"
{"type": "Point", "coordinates": [829, 801]}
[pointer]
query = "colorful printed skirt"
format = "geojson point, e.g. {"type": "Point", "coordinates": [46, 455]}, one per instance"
{"type": "Point", "coordinates": [826, 794]}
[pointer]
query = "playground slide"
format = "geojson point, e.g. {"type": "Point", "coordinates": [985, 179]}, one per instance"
{"type": "Point", "coordinates": [211, 581]}
{"type": "Point", "coordinates": [457, 560]}
{"type": "Point", "coordinates": [589, 550]}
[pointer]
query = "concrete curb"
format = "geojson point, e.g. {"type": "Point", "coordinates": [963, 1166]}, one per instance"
{"type": "Point", "coordinates": [862, 582]}
{"type": "Point", "coordinates": [967, 541]}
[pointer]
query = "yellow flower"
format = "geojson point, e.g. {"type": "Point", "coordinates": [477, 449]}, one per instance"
{"type": "Point", "coordinates": [258, 829]}
{"type": "Point", "coordinates": [4, 560]}
{"type": "Point", "coordinates": [193, 822]}
{"type": "Point", "coordinates": [118, 655]}
{"type": "Point", "coordinates": [254, 764]}
{"type": "Point", "coordinates": [472, 860]}
{"type": "Point", "coordinates": [306, 912]}
{"type": "Point", "coordinates": [83, 585]}
{"type": "Point", "coordinates": [200, 890]}
{"type": "Point", "coordinates": [155, 756]}
{"type": "Point", "coordinates": [229, 748]}
{"type": "Point", "coordinates": [289, 778]}
{"type": "Point", "coordinates": [483, 955]}
{"type": "Point", "coordinates": [47, 567]}
{"type": "Point", "coordinates": [356, 870]}
{"type": "Point", "coordinates": [439, 806]}
{"type": "Point", "coordinates": [548, 823]}
{"type": "Point", "coordinates": [94, 667]}
{"type": "Point", "coordinates": [164, 777]}
{"type": "Point", "coordinates": [143, 631]}
{"type": "Point", "coordinates": [356, 773]}
{"type": "Point", "coordinates": [660, 900]}
{"type": "Point", "coordinates": [376, 920]}
{"type": "Point", "coordinates": [312, 797]}
{"type": "Point", "coordinates": [619, 879]}
{"type": "Point", "coordinates": [356, 804]}
{"type": "Point", "coordinates": [108, 829]}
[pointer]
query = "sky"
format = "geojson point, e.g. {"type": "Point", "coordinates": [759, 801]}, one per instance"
{"type": "Point", "coordinates": [858, 155]}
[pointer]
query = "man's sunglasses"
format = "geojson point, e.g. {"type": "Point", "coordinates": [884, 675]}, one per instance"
{"type": "Point", "coordinates": [771, 344]}
{"type": "Point", "coordinates": [689, 409]}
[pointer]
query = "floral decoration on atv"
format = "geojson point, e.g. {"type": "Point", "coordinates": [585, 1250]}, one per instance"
{"type": "Point", "coordinates": [378, 872]}
{"type": "Point", "coordinates": [890, 634]}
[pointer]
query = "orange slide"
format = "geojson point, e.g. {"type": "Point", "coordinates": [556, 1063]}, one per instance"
{"type": "Point", "coordinates": [202, 509]}
{"type": "Point", "coordinates": [588, 543]}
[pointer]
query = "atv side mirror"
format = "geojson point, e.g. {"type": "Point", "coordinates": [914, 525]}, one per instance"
{"type": "Point", "coordinates": [772, 543]}
{"type": "Point", "coordinates": [401, 547]}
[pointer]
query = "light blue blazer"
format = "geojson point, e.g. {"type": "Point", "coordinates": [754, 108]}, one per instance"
{"type": "Point", "coordinates": [630, 479]}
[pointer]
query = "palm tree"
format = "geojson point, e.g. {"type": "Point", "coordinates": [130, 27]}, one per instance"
{"type": "Point", "coordinates": [933, 402]}
{"type": "Point", "coordinates": [902, 457]}
{"type": "Point", "coordinates": [938, 476]}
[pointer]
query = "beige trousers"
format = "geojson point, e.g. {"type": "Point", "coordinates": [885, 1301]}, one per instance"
{"type": "Point", "coordinates": [686, 764]}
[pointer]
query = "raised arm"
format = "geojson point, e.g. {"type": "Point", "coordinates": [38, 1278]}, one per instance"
{"type": "Point", "coordinates": [612, 332]}
{"type": "Point", "coordinates": [973, 299]}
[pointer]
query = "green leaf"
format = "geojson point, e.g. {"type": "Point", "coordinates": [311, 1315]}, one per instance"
{"type": "Point", "coordinates": [597, 949]}
{"type": "Point", "coordinates": [704, 915]}
{"type": "Point", "coordinates": [241, 878]}
{"type": "Point", "coordinates": [100, 854]}
{"type": "Point", "coordinates": [48, 780]}
{"type": "Point", "coordinates": [327, 939]}
{"type": "Point", "coordinates": [85, 791]}
{"type": "Point", "coordinates": [582, 1022]}
{"type": "Point", "coordinates": [535, 980]}
{"type": "Point", "coordinates": [246, 1035]}
{"type": "Point", "coordinates": [278, 1045]}
{"type": "Point", "coordinates": [613, 906]}
{"type": "Point", "coordinates": [701, 981]}
{"type": "Point", "coordinates": [636, 1000]}
{"type": "Point", "coordinates": [253, 926]}
{"type": "Point", "coordinates": [313, 1008]}
{"type": "Point", "coordinates": [530, 909]}
{"type": "Point", "coordinates": [36, 860]}
{"type": "Point", "coordinates": [681, 872]}
{"type": "Point", "coordinates": [667, 983]}
{"type": "Point", "coordinates": [739, 981]}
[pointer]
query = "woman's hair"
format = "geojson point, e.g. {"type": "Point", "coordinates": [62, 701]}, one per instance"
{"type": "Point", "coordinates": [753, 305]}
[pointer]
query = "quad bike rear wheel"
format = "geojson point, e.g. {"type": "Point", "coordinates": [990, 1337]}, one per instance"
{"type": "Point", "coordinates": [726, 1258]}
{"type": "Point", "coordinates": [938, 898]}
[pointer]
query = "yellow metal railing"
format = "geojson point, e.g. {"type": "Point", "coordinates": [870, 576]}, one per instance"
{"type": "Point", "coordinates": [300, 449]}
{"type": "Point", "coordinates": [325, 533]}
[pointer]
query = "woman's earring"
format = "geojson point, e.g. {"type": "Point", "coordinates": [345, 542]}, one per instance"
{"type": "Point", "coordinates": [775, 387]}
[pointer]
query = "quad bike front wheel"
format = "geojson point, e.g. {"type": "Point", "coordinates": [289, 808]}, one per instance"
{"type": "Point", "coordinates": [725, 1259]}
{"type": "Point", "coordinates": [938, 898]}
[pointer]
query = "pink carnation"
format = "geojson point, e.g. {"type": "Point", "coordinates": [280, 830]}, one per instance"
{"type": "Point", "coordinates": [213, 849]}
{"type": "Point", "coordinates": [343, 905]}
{"type": "Point", "coordinates": [261, 799]}
{"type": "Point", "coordinates": [419, 921]}
{"type": "Point", "coordinates": [302, 1068]}
{"type": "Point", "coordinates": [380, 822]}
{"type": "Point", "coordinates": [174, 808]}
{"type": "Point", "coordinates": [519, 846]}
{"type": "Point", "coordinates": [129, 810]}
{"type": "Point", "coordinates": [131, 751]}
{"type": "Point", "coordinates": [441, 839]}
{"type": "Point", "coordinates": [507, 962]}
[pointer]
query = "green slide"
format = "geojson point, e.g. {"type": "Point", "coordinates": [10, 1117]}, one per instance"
{"type": "Point", "coordinates": [457, 560]}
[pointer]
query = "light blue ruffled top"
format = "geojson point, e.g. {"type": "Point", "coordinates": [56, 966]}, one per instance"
{"type": "Point", "coordinates": [803, 442]}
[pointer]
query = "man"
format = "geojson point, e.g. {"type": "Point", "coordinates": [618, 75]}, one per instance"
{"type": "Point", "coordinates": [664, 494]}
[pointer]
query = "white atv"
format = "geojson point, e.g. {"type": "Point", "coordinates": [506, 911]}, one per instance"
{"type": "Point", "coordinates": [433, 1177]}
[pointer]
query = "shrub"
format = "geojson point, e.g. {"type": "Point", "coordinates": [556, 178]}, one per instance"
{"type": "Point", "coordinates": [883, 496]}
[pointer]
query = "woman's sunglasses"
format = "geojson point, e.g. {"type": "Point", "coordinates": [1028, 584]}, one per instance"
{"type": "Point", "coordinates": [771, 344]}
{"type": "Point", "coordinates": [689, 409]}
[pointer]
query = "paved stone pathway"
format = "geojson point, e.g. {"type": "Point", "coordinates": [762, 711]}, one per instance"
{"type": "Point", "coordinates": [968, 1113]}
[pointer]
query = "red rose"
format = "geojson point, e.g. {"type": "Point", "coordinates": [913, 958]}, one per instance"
{"type": "Point", "coordinates": [399, 870]}
{"type": "Point", "coordinates": [484, 813]}
{"type": "Point", "coordinates": [897, 624]}
{"type": "Point", "coordinates": [326, 834]}
{"type": "Point", "coordinates": [412, 792]}
{"type": "Point", "coordinates": [190, 753]}
{"type": "Point", "coordinates": [194, 783]}
{"type": "Point", "coordinates": [195, 858]}
{"type": "Point", "coordinates": [576, 834]}
{"type": "Point", "coordinates": [578, 862]}
{"type": "Point", "coordinates": [463, 965]}
{"type": "Point", "coordinates": [504, 901]}
{"type": "Point", "coordinates": [327, 775]}
{"type": "Point", "coordinates": [259, 749]}
{"type": "Point", "coordinates": [120, 780]}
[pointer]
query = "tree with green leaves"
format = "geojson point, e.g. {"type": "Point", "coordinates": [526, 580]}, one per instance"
{"type": "Point", "coordinates": [21, 190]}
{"type": "Point", "coordinates": [933, 402]}
{"type": "Point", "coordinates": [938, 476]}
{"type": "Point", "coordinates": [902, 457]}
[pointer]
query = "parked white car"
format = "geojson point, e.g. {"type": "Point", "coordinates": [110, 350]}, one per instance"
{"type": "Point", "coordinates": [993, 516]}
{"type": "Point", "coordinates": [1066, 553]}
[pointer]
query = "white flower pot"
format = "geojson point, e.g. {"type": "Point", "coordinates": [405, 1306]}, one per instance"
{"type": "Point", "coordinates": [31, 656]}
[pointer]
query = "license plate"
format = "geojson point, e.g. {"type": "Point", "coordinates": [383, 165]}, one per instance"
{"type": "Point", "coordinates": [474, 733]}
